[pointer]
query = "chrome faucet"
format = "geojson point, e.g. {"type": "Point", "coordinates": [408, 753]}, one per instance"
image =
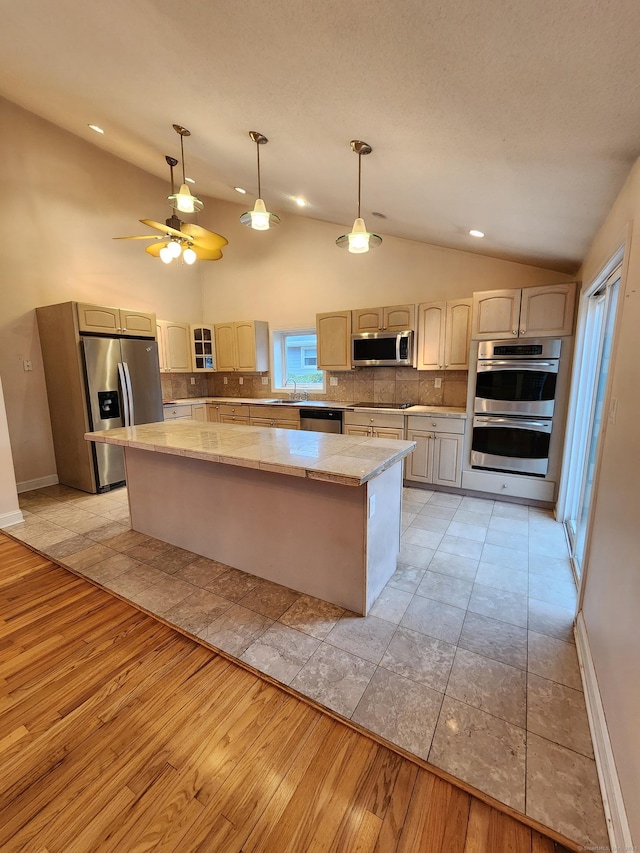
{"type": "Point", "coordinates": [295, 392]}
{"type": "Point", "coordinates": [297, 395]}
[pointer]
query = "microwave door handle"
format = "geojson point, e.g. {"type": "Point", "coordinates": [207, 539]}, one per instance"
{"type": "Point", "coordinates": [125, 395]}
{"type": "Point", "coordinates": [398, 347]}
{"type": "Point", "coordinates": [127, 377]}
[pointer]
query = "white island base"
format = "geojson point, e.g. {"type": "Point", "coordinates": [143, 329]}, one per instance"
{"type": "Point", "coordinates": [333, 541]}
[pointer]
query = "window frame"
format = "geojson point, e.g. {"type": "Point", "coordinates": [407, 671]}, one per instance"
{"type": "Point", "coordinates": [278, 362]}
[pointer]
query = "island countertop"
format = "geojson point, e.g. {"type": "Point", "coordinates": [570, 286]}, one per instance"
{"type": "Point", "coordinates": [350, 460]}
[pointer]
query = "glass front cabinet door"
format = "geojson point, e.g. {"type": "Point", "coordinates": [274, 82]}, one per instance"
{"type": "Point", "coordinates": [202, 348]}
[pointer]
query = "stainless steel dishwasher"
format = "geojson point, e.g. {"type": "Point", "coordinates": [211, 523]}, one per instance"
{"type": "Point", "coordinates": [321, 420]}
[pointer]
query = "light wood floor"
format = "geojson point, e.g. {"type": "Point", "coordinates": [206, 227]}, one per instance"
{"type": "Point", "coordinates": [117, 733]}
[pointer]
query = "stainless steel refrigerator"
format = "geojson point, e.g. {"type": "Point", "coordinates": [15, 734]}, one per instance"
{"type": "Point", "coordinates": [123, 389]}
{"type": "Point", "coordinates": [94, 383]}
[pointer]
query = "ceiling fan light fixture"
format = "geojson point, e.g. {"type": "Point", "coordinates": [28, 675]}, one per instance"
{"type": "Point", "coordinates": [189, 256]}
{"type": "Point", "coordinates": [174, 248]}
{"type": "Point", "coordinates": [165, 255]}
{"type": "Point", "coordinates": [259, 218]}
{"type": "Point", "coordinates": [359, 240]}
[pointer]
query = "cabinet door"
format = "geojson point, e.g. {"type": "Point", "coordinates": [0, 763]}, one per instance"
{"type": "Point", "coordinates": [202, 349]}
{"type": "Point", "coordinates": [162, 359]}
{"type": "Point", "coordinates": [213, 413]}
{"type": "Point", "coordinates": [98, 319]}
{"type": "Point", "coordinates": [245, 346]}
{"type": "Point", "coordinates": [366, 320]}
{"type": "Point", "coordinates": [457, 336]}
{"type": "Point", "coordinates": [399, 318]}
{"type": "Point", "coordinates": [177, 357]}
{"type": "Point", "coordinates": [431, 335]}
{"type": "Point", "coordinates": [225, 346]}
{"type": "Point", "coordinates": [419, 464]}
{"type": "Point", "coordinates": [387, 432]}
{"type": "Point", "coordinates": [547, 311]}
{"type": "Point", "coordinates": [334, 340]}
{"type": "Point", "coordinates": [362, 431]}
{"type": "Point", "coordinates": [137, 323]}
{"type": "Point", "coordinates": [496, 314]}
{"type": "Point", "coordinates": [447, 456]}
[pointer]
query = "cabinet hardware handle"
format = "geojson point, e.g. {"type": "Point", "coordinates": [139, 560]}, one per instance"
{"type": "Point", "coordinates": [124, 330]}
{"type": "Point", "coordinates": [523, 331]}
{"type": "Point", "coordinates": [515, 332]}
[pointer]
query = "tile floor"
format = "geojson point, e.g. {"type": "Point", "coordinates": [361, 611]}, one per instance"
{"type": "Point", "coordinates": [467, 658]}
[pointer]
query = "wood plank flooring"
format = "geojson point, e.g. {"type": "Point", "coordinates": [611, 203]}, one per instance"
{"type": "Point", "coordinates": [118, 733]}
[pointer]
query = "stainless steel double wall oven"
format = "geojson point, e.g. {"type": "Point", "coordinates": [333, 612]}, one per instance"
{"type": "Point", "coordinates": [514, 405]}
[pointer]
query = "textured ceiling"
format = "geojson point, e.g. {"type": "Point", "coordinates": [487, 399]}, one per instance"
{"type": "Point", "coordinates": [517, 117]}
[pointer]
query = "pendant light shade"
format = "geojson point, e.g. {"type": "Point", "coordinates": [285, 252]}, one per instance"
{"type": "Point", "coordinates": [359, 240]}
{"type": "Point", "coordinates": [183, 200]}
{"type": "Point", "coordinates": [259, 218]}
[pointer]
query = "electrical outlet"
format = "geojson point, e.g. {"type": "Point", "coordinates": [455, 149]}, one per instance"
{"type": "Point", "coordinates": [193, 380]}
{"type": "Point", "coordinates": [372, 506]}
{"type": "Point", "coordinates": [27, 366]}
{"type": "Point", "coordinates": [241, 380]}
{"type": "Point", "coordinates": [437, 382]}
{"type": "Point", "coordinates": [333, 380]}
{"type": "Point", "coordinates": [225, 380]}
{"type": "Point", "coordinates": [265, 380]}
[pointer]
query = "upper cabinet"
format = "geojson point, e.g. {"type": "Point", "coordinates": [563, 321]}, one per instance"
{"type": "Point", "coordinates": [242, 346]}
{"type": "Point", "coordinates": [444, 333]}
{"type": "Point", "coordinates": [398, 318]}
{"type": "Point", "coordinates": [99, 319]}
{"type": "Point", "coordinates": [333, 332]}
{"type": "Point", "coordinates": [202, 353]}
{"type": "Point", "coordinates": [533, 312]}
{"type": "Point", "coordinates": [174, 348]}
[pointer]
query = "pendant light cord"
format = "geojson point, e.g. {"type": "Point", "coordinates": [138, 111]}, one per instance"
{"type": "Point", "coordinates": [258, 153]}
{"type": "Point", "coordinates": [359, 180]}
{"type": "Point", "coordinates": [182, 155]}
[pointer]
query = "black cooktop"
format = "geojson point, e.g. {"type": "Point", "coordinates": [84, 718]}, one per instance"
{"type": "Point", "coordinates": [382, 405]}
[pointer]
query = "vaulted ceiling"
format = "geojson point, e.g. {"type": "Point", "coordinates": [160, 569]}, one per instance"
{"type": "Point", "coordinates": [521, 119]}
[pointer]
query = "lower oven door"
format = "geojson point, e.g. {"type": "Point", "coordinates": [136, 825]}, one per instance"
{"type": "Point", "coordinates": [514, 445]}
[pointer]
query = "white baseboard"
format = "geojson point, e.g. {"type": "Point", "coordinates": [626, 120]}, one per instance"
{"type": "Point", "coordinates": [9, 518]}
{"type": "Point", "coordinates": [614, 809]}
{"type": "Point", "coordinates": [38, 483]}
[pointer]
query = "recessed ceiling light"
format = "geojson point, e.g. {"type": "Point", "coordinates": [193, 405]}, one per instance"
{"type": "Point", "coordinates": [190, 180]}
{"type": "Point", "coordinates": [96, 128]}
{"type": "Point", "coordinates": [240, 190]}
{"type": "Point", "coordinates": [475, 233]}
{"type": "Point", "coordinates": [300, 201]}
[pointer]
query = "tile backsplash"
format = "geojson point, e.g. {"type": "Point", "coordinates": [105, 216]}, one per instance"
{"type": "Point", "coordinates": [362, 385]}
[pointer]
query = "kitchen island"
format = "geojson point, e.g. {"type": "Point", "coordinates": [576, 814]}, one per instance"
{"type": "Point", "coordinates": [316, 512]}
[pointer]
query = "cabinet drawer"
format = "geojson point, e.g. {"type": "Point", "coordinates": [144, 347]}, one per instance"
{"type": "Point", "coordinates": [289, 413]}
{"type": "Point", "coordinates": [238, 409]}
{"type": "Point", "coordinates": [173, 412]}
{"type": "Point", "coordinates": [373, 419]}
{"type": "Point", "coordinates": [436, 423]}
{"type": "Point", "coordinates": [506, 485]}
{"type": "Point", "coordinates": [233, 419]}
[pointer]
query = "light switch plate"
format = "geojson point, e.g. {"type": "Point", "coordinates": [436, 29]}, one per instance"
{"type": "Point", "coordinates": [193, 380]}
{"type": "Point", "coordinates": [265, 380]}
{"type": "Point", "coordinates": [333, 380]}
{"type": "Point", "coordinates": [372, 506]}
{"type": "Point", "coordinates": [225, 380]}
{"type": "Point", "coordinates": [437, 382]}
{"type": "Point", "coordinates": [241, 380]}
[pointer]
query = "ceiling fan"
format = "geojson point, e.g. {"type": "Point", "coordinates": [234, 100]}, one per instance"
{"type": "Point", "coordinates": [181, 238]}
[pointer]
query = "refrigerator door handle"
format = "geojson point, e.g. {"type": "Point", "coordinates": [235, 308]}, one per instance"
{"type": "Point", "coordinates": [127, 377]}
{"type": "Point", "coordinates": [125, 394]}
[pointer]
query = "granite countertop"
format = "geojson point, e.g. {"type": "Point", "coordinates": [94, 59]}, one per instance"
{"type": "Point", "coordinates": [445, 411]}
{"type": "Point", "coordinates": [345, 459]}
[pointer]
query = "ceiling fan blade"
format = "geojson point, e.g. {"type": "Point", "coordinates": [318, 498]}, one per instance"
{"type": "Point", "coordinates": [202, 237]}
{"type": "Point", "coordinates": [166, 229]}
{"type": "Point", "coordinates": [206, 254]}
{"type": "Point", "coordinates": [154, 248]}
{"type": "Point", "coordinates": [140, 237]}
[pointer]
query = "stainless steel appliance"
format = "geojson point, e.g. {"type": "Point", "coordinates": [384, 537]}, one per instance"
{"type": "Point", "coordinates": [514, 404]}
{"type": "Point", "coordinates": [321, 420]}
{"type": "Point", "coordinates": [382, 348]}
{"type": "Point", "coordinates": [517, 378]}
{"type": "Point", "coordinates": [123, 389]}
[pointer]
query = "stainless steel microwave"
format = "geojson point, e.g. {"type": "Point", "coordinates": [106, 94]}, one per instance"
{"type": "Point", "coordinates": [382, 348]}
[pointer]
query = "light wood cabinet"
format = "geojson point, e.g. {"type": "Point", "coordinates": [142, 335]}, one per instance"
{"type": "Point", "coordinates": [437, 458]}
{"type": "Point", "coordinates": [242, 346]}
{"type": "Point", "coordinates": [202, 349]}
{"type": "Point", "coordinates": [444, 335]}
{"type": "Point", "coordinates": [237, 413]}
{"type": "Point", "coordinates": [392, 318]}
{"type": "Point", "coordinates": [199, 412]}
{"type": "Point", "coordinates": [213, 413]}
{"type": "Point", "coordinates": [532, 312]}
{"type": "Point", "coordinates": [373, 425]}
{"type": "Point", "coordinates": [100, 319]}
{"type": "Point", "coordinates": [173, 413]}
{"type": "Point", "coordinates": [333, 331]}
{"type": "Point", "coordinates": [174, 349]}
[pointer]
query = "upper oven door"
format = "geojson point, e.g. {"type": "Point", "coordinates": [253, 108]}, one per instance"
{"type": "Point", "coordinates": [512, 387]}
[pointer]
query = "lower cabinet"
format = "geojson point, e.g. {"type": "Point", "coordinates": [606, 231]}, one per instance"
{"type": "Point", "coordinates": [373, 425]}
{"type": "Point", "coordinates": [275, 416]}
{"type": "Point", "coordinates": [199, 412]}
{"type": "Point", "coordinates": [174, 413]}
{"type": "Point", "coordinates": [437, 458]}
{"type": "Point", "coordinates": [233, 414]}
{"type": "Point", "coordinates": [213, 413]}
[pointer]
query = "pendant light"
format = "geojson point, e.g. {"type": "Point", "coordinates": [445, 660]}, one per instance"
{"type": "Point", "coordinates": [359, 240]}
{"type": "Point", "coordinates": [184, 201]}
{"type": "Point", "coordinates": [259, 218]}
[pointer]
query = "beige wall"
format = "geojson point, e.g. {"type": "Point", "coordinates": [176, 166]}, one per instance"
{"type": "Point", "coordinates": [67, 199]}
{"type": "Point", "coordinates": [612, 578]}
{"type": "Point", "coordinates": [9, 509]}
